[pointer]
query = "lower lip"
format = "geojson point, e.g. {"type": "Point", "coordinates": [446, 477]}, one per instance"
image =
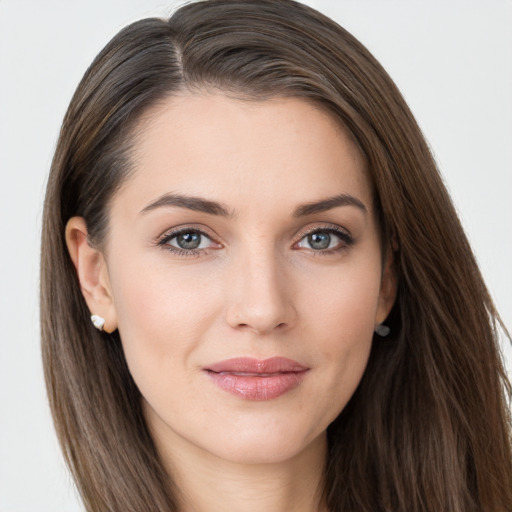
{"type": "Point", "coordinates": [257, 387]}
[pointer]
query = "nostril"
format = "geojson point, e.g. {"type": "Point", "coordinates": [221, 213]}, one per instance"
{"type": "Point", "coordinates": [244, 326]}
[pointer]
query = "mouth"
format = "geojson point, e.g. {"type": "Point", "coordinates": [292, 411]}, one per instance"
{"type": "Point", "coordinates": [255, 379]}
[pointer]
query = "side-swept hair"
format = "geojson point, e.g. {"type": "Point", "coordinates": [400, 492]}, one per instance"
{"type": "Point", "coordinates": [428, 428]}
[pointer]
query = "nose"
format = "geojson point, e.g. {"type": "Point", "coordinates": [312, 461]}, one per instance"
{"type": "Point", "coordinates": [261, 295]}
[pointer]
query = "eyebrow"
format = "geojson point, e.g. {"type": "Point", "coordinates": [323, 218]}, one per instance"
{"type": "Point", "coordinates": [196, 204]}
{"type": "Point", "coordinates": [199, 204]}
{"type": "Point", "coordinates": [328, 204]}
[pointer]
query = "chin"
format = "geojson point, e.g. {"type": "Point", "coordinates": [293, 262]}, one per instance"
{"type": "Point", "coordinates": [265, 447]}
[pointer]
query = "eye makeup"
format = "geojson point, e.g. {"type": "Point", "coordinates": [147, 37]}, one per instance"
{"type": "Point", "coordinates": [321, 240]}
{"type": "Point", "coordinates": [193, 241]}
{"type": "Point", "coordinates": [187, 241]}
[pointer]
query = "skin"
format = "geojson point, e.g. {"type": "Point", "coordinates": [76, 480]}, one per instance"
{"type": "Point", "coordinates": [256, 286]}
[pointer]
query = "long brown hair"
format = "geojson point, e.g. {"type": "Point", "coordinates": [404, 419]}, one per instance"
{"type": "Point", "coordinates": [428, 428]}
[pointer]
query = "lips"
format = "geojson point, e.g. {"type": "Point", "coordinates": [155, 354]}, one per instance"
{"type": "Point", "coordinates": [255, 379]}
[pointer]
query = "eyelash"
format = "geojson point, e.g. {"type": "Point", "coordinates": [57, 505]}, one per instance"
{"type": "Point", "coordinates": [346, 241]}
{"type": "Point", "coordinates": [164, 240]}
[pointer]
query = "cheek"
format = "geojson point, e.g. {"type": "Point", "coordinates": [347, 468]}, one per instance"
{"type": "Point", "coordinates": [162, 316]}
{"type": "Point", "coordinates": [341, 319]}
{"type": "Point", "coordinates": [346, 300]}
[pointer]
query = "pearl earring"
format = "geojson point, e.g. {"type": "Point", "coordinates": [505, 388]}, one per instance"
{"type": "Point", "coordinates": [382, 330]}
{"type": "Point", "coordinates": [98, 322]}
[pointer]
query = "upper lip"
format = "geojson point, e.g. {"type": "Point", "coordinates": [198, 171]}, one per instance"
{"type": "Point", "coordinates": [249, 365]}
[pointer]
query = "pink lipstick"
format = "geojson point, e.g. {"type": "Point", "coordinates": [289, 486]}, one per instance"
{"type": "Point", "coordinates": [255, 379]}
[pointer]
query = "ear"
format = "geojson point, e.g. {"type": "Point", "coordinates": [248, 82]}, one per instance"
{"type": "Point", "coordinates": [388, 287]}
{"type": "Point", "coordinates": [92, 272]}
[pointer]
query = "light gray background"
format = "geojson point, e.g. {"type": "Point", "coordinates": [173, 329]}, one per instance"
{"type": "Point", "coordinates": [452, 61]}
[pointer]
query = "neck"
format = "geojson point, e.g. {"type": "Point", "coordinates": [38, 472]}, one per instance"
{"type": "Point", "coordinates": [209, 484]}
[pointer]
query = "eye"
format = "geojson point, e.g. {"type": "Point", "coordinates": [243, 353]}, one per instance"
{"type": "Point", "coordinates": [187, 241]}
{"type": "Point", "coordinates": [325, 239]}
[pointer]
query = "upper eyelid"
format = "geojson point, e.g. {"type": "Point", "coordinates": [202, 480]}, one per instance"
{"type": "Point", "coordinates": [324, 227]}
{"type": "Point", "coordinates": [175, 231]}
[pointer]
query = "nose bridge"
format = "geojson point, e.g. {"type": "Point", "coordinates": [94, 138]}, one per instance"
{"type": "Point", "coordinates": [261, 294]}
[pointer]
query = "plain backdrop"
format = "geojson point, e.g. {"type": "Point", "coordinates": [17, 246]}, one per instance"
{"type": "Point", "coordinates": [452, 61]}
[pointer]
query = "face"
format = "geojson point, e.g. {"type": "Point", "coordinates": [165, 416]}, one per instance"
{"type": "Point", "coordinates": [244, 267]}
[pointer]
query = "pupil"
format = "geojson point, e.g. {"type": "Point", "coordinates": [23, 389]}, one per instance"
{"type": "Point", "coordinates": [189, 240]}
{"type": "Point", "coordinates": [319, 240]}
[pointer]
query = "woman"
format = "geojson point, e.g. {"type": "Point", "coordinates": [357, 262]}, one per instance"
{"type": "Point", "coordinates": [256, 293]}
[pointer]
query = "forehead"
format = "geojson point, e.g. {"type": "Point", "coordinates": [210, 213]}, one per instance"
{"type": "Point", "coordinates": [242, 151]}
